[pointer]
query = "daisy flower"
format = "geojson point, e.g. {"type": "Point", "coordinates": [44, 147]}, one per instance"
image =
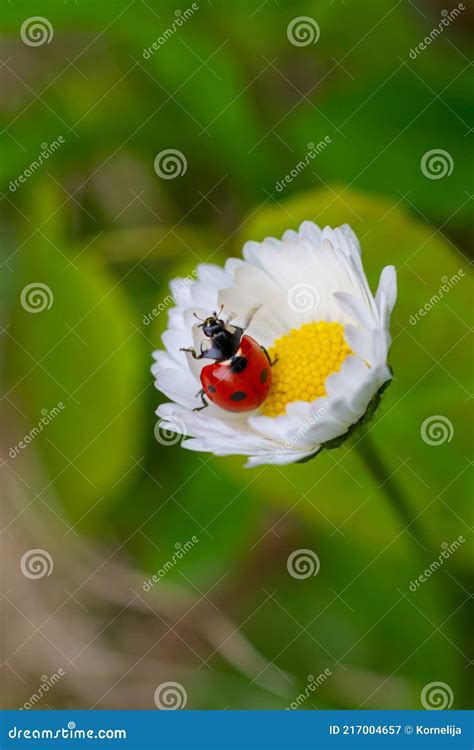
{"type": "Point", "coordinates": [306, 299]}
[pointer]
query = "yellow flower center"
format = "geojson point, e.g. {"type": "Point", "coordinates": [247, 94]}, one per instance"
{"type": "Point", "coordinates": [305, 357]}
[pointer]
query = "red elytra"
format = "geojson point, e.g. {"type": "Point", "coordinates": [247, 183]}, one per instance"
{"type": "Point", "coordinates": [242, 382]}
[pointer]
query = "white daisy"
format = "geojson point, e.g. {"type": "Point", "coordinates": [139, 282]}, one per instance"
{"type": "Point", "coordinates": [316, 316]}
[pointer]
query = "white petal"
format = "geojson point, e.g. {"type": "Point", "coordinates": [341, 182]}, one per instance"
{"type": "Point", "coordinates": [177, 384]}
{"type": "Point", "coordinates": [355, 308]}
{"type": "Point", "coordinates": [213, 276]}
{"type": "Point", "coordinates": [181, 291]}
{"type": "Point", "coordinates": [361, 342]}
{"type": "Point", "coordinates": [386, 295]}
{"type": "Point", "coordinates": [279, 458]}
{"type": "Point", "coordinates": [352, 240]}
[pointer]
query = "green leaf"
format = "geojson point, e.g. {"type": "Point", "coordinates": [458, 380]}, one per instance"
{"type": "Point", "coordinates": [377, 144]}
{"type": "Point", "coordinates": [209, 79]}
{"type": "Point", "coordinates": [83, 350]}
{"type": "Point", "coordinates": [163, 243]}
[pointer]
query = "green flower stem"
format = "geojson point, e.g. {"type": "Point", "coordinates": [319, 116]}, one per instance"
{"type": "Point", "coordinates": [457, 583]}
{"type": "Point", "coordinates": [388, 483]}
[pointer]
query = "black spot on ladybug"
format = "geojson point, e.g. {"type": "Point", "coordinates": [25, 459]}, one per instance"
{"type": "Point", "coordinates": [238, 396]}
{"type": "Point", "coordinates": [238, 364]}
{"type": "Point", "coordinates": [264, 375]}
{"type": "Point", "coordinates": [211, 389]}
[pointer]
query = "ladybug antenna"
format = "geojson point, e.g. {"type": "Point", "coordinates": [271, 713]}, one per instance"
{"type": "Point", "coordinates": [201, 319]}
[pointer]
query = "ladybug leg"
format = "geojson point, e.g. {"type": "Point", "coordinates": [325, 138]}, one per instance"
{"type": "Point", "coordinates": [268, 357]}
{"type": "Point", "coordinates": [193, 352]}
{"type": "Point", "coordinates": [204, 402]}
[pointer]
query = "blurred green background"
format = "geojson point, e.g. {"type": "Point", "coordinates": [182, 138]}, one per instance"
{"type": "Point", "coordinates": [99, 226]}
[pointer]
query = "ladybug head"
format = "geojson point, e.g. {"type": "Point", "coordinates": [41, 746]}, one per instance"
{"type": "Point", "coordinates": [212, 325]}
{"type": "Point", "coordinates": [225, 338]}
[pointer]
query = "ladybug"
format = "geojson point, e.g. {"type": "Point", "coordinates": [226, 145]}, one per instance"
{"type": "Point", "coordinates": [240, 377]}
